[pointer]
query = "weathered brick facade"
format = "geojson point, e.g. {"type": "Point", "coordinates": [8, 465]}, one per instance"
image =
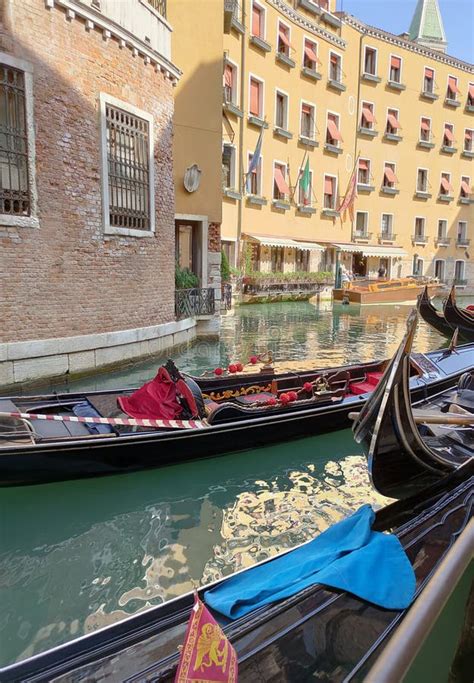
{"type": "Point", "coordinates": [214, 237]}
{"type": "Point", "coordinates": [66, 277]}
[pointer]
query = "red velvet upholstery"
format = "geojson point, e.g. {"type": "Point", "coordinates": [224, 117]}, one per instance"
{"type": "Point", "coordinates": [154, 400]}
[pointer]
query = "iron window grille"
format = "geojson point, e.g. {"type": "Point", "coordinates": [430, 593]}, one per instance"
{"type": "Point", "coordinates": [15, 197]}
{"type": "Point", "coordinates": [128, 169]}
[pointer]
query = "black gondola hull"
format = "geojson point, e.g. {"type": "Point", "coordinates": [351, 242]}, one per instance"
{"type": "Point", "coordinates": [431, 316]}
{"type": "Point", "coordinates": [457, 318]}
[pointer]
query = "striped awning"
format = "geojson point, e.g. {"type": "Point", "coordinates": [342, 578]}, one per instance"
{"type": "Point", "coordinates": [371, 250]}
{"type": "Point", "coordinates": [270, 241]}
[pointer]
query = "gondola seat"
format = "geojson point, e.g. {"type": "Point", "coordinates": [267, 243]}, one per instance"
{"type": "Point", "coordinates": [367, 385]}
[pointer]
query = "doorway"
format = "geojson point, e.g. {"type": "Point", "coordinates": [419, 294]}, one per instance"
{"type": "Point", "coordinates": [359, 264]}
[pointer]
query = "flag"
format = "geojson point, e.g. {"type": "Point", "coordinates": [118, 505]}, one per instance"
{"type": "Point", "coordinates": [350, 196]}
{"type": "Point", "coordinates": [253, 165]}
{"type": "Point", "coordinates": [207, 655]}
{"type": "Point", "coordinates": [305, 183]}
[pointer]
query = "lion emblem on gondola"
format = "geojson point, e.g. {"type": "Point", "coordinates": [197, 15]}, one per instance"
{"type": "Point", "coordinates": [208, 651]}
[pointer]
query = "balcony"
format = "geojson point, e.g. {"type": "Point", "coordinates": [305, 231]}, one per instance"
{"type": "Point", "coordinates": [310, 6]}
{"type": "Point", "coordinates": [261, 44]}
{"type": "Point", "coordinates": [256, 200]}
{"type": "Point", "coordinates": [336, 85]}
{"type": "Point", "coordinates": [364, 188]}
{"type": "Point", "coordinates": [332, 149]}
{"type": "Point", "coordinates": [395, 85]}
{"type": "Point", "coordinates": [448, 149]}
{"type": "Point", "coordinates": [306, 209]}
{"type": "Point", "coordinates": [372, 78]}
{"type": "Point", "coordinates": [329, 213]}
{"type": "Point", "coordinates": [449, 102]}
{"type": "Point", "coordinates": [280, 132]}
{"type": "Point", "coordinates": [313, 74]}
{"type": "Point", "coordinates": [231, 193]}
{"type": "Point", "coordinates": [426, 144]}
{"type": "Point", "coordinates": [257, 121]}
{"type": "Point", "coordinates": [189, 303]}
{"type": "Point", "coordinates": [281, 204]}
{"type": "Point", "coordinates": [308, 141]}
{"type": "Point", "coordinates": [446, 198]}
{"type": "Point", "coordinates": [419, 239]}
{"type": "Point", "coordinates": [392, 137]}
{"type": "Point", "coordinates": [230, 107]}
{"type": "Point", "coordinates": [442, 241]}
{"type": "Point", "coordinates": [233, 17]}
{"type": "Point", "coordinates": [465, 200]}
{"type": "Point", "coordinates": [387, 189]}
{"type": "Point", "coordinates": [367, 132]}
{"type": "Point", "coordinates": [284, 59]}
{"type": "Point", "coordinates": [429, 95]}
{"type": "Point", "coordinates": [423, 194]}
{"type": "Point", "coordinates": [462, 242]}
{"type": "Point", "coordinates": [386, 237]}
{"type": "Point", "coordinates": [362, 236]}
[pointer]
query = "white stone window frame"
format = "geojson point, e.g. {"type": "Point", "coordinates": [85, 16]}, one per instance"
{"type": "Point", "coordinates": [31, 221]}
{"type": "Point", "coordinates": [104, 99]}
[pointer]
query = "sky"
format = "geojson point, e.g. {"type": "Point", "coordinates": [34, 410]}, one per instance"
{"type": "Point", "coordinates": [396, 15]}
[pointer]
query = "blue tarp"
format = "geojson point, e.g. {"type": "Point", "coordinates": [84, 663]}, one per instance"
{"type": "Point", "coordinates": [84, 409]}
{"type": "Point", "coordinates": [348, 556]}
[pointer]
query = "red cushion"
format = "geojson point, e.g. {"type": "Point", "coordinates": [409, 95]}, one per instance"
{"type": "Point", "coordinates": [361, 388]}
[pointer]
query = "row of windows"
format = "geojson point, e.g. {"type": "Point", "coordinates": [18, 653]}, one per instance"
{"type": "Point", "coordinates": [367, 121]}
{"type": "Point", "coordinates": [281, 189]}
{"type": "Point", "coordinates": [128, 136]}
{"type": "Point", "coordinates": [440, 271]}
{"type": "Point", "coordinates": [310, 60]}
{"type": "Point", "coordinates": [423, 185]}
{"type": "Point", "coordinates": [420, 233]}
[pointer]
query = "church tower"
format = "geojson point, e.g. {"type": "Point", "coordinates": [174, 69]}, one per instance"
{"type": "Point", "coordinates": [427, 26]}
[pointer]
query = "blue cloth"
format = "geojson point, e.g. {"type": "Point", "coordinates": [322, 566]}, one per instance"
{"type": "Point", "coordinates": [348, 556]}
{"type": "Point", "coordinates": [84, 409]}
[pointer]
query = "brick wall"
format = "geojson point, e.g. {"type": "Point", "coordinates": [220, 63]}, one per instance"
{"type": "Point", "coordinates": [214, 237]}
{"type": "Point", "coordinates": [67, 278]}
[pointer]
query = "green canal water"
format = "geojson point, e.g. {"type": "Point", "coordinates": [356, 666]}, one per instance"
{"type": "Point", "coordinates": [79, 555]}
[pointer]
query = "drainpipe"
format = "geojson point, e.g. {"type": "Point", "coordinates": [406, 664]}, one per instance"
{"type": "Point", "coordinates": [357, 115]}
{"type": "Point", "coordinates": [240, 206]}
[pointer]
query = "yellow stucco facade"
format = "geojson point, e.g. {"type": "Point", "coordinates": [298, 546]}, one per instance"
{"type": "Point", "coordinates": [402, 214]}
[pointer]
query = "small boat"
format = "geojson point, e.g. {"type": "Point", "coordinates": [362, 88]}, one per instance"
{"type": "Point", "coordinates": [307, 636]}
{"type": "Point", "coordinates": [49, 438]}
{"type": "Point", "coordinates": [383, 291]}
{"type": "Point", "coordinates": [430, 315]}
{"type": "Point", "coordinates": [459, 318]}
{"type": "Point", "coordinates": [410, 446]}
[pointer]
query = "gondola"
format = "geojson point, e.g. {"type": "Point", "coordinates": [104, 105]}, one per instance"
{"type": "Point", "coordinates": [307, 636]}
{"type": "Point", "coordinates": [401, 455]}
{"type": "Point", "coordinates": [430, 315]}
{"type": "Point", "coordinates": [458, 318]}
{"type": "Point", "coordinates": [53, 438]}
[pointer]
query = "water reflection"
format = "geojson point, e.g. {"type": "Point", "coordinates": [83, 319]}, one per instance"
{"type": "Point", "coordinates": [297, 332]}
{"type": "Point", "coordinates": [106, 548]}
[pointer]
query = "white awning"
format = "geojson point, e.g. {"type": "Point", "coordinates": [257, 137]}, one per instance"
{"type": "Point", "coordinates": [269, 241]}
{"type": "Point", "coordinates": [371, 250]}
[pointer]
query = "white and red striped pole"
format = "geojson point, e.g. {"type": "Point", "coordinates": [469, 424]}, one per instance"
{"type": "Point", "coordinates": [128, 421]}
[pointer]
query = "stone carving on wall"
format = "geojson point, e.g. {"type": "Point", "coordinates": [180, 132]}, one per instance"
{"type": "Point", "coordinates": [192, 178]}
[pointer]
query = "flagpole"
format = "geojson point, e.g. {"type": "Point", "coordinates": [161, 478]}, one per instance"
{"type": "Point", "coordinates": [299, 175]}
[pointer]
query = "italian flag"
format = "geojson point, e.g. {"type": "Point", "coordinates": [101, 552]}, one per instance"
{"type": "Point", "coordinates": [305, 183]}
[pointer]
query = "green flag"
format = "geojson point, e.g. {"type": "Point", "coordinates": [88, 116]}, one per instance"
{"type": "Point", "coordinates": [305, 183]}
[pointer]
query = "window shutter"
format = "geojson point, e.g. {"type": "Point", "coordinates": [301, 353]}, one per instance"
{"type": "Point", "coordinates": [254, 98]}
{"type": "Point", "coordinates": [281, 182]}
{"type": "Point", "coordinates": [364, 164]}
{"type": "Point", "coordinates": [328, 185]}
{"type": "Point", "coordinates": [256, 21]}
{"type": "Point", "coordinates": [228, 76]}
{"type": "Point", "coordinates": [429, 73]}
{"type": "Point", "coordinates": [395, 62]}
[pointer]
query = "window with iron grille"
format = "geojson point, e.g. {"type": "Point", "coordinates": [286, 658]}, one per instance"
{"type": "Point", "coordinates": [15, 197]}
{"type": "Point", "coordinates": [128, 163]}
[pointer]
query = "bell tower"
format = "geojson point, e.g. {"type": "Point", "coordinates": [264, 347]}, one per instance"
{"type": "Point", "coordinates": [427, 26]}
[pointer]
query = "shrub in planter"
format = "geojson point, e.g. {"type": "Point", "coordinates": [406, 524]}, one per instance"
{"type": "Point", "coordinates": [185, 278]}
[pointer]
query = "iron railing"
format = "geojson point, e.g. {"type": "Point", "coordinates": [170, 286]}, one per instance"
{"type": "Point", "coordinates": [227, 296]}
{"type": "Point", "coordinates": [160, 6]}
{"type": "Point", "coordinates": [192, 302]}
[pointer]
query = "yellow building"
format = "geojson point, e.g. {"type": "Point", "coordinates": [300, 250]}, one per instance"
{"type": "Point", "coordinates": [322, 88]}
{"type": "Point", "coordinates": [197, 143]}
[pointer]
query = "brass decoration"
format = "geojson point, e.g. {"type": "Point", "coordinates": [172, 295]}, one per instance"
{"type": "Point", "coordinates": [234, 393]}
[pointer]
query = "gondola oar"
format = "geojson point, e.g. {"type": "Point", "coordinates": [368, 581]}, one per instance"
{"type": "Point", "coordinates": [435, 419]}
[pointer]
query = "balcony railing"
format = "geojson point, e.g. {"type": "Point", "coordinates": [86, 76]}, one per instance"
{"type": "Point", "coordinates": [192, 302]}
{"type": "Point", "coordinates": [227, 296]}
{"type": "Point", "coordinates": [159, 6]}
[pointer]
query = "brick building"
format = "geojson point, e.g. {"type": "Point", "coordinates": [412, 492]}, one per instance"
{"type": "Point", "coordinates": [86, 185]}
